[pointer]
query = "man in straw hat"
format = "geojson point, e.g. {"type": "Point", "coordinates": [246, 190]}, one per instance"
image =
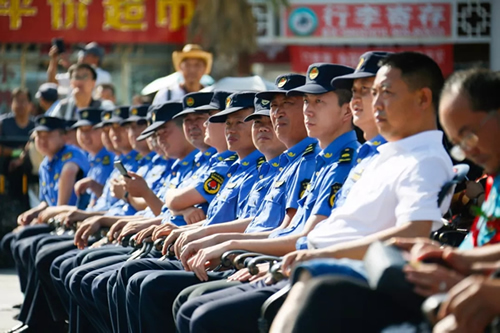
{"type": "Point", "coordinates": [193, 62]}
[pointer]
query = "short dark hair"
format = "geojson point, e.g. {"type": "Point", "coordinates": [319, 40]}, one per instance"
{"type": "Point", "coordinates": [344, 96]}
{"type": "Point", "coordinates": [480, 86]}
{"type": "Point", "coordinates": [78, 67]}
{"type": "Point", "coordinates": [108, 86]}
{"type": "Point", "coordinates": [418, 71]}
{"type": "Point", "coordinates": [19, 90]}
{"type": "Point", "coordinates": [179, 121]}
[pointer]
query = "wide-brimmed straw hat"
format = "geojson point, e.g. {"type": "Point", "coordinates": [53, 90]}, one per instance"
{"type": "Point", "coordinates": [192, 51]}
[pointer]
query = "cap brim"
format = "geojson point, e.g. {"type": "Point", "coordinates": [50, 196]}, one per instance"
{"type": "Point", "coordinates": [81, 123]}
{"type": "Point", "coordinates": [133, 119]}
{"type": "Point", "coordinates": [221, 116]}
{"type": "Point", "coordinates": [254, 115]}
{"type": "Point", "coordinates": [206, 108]}
{"type": "Point", "coordinates": [145, 136]}
{"type": "Point", "coordinates": [98, 125]}
{"type": "Point", "coordinates": [153, 127]}
{"type": "Point", "coordinates": [310, 88]}
{"type": "Point", "coordinates": [183, 113]}
{"type": "Point", "coordinates": [269, 94]}
{"type": "Point", "coordinates": [113, 120]}
{"type": "Point", "coordinates": [345, 81]}
{"type": "Point", "coordinates": [38, 94]}
{"type": "Point", "coordinates": [41, 128]}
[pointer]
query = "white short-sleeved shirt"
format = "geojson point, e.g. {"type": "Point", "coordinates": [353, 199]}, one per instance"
{"type": "Point", "coordinates": [400, 185]}
{"type": "Point", "coordinates": [176, 94]}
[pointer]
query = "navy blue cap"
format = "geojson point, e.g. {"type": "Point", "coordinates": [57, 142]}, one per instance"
{"type": "Point", "coordinates": [88, 117]}
{"type": "Point", "coordinates": [136, 113]}
{"type": "Point", "coordinates": [234, 102]}
{"type": "Point", "coordinates": [284, 83]}
{"type": "Point", "coordinates": [218, 102]}
{"type": "Point", "coordinates": [69, 125]}
{"type": "Point", "coordinates": [319, 77]}
{"type": "Point", "coordinates": [113, 116]}
{"type": "Point", "coordinates": [162, 113]}
{"type": "Point", "coordinates": [144, 136]}
{"type": "Point", "coordinates": [48, 124]}
{"type": "Point", "coordinates": [91, 48]}
{"type": "Point", "coordinates": [262, 108]}
{"type": "Point", "coordinates": [193, 100]}
{"type": "Point", "coordinates": [48, 91]}
{"type": "Point", "coordinates": [367, 67]}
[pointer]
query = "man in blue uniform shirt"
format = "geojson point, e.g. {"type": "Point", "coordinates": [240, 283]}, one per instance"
{"type": "Point", "coordinates": [167, 131]}
{"type": "Point", "coordinates": [327, 118]}
{"type": "Point", "coordinates": [242, 174]}
{"type": "Point", "coordinates": [295, 169]}
{"type": "Point", "coordinates": [59, 171]}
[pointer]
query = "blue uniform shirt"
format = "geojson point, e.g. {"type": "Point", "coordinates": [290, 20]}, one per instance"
{"type": "Point", "coordinates": [100, 169]}
{"type": "Point", "coordinates": [50, 171]}
{"type": "Point", "coordinates": [366, 153]}
{"type": "Point", "coordinates": [267, 173]}
{"type": "Point", "coordinates": [200, 163]}
{"type": "Point", "coordinates": [297, 166]}
{"type": "Point", "coordinates": [209, 183]}
{"type": "Point", "coordinates": [121, 207]}
{"type": "Point", "coordinates": [233, 196]}
{"type": "Point", "coordinates": [106, 200]}
{"type": "Point", "coordinates": [179, 170]}
{"type": "Point", "coordinates": [163, 167]}
{"type": "Point", "coordinates": [332, 167]}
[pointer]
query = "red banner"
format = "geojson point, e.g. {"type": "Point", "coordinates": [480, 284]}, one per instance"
{"type": "Point", "coordinates": [106, 21]}
{"type": "Point", "coordinates": [397, 20]}
{"type": "Point", "coordinates": [303, 56]}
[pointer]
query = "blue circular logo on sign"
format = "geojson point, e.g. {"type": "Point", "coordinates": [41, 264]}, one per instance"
{"type": "Point", "coordinates": [302, 21]}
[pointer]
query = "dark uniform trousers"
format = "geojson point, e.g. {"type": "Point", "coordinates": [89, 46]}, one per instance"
{"type": "Point", "coordinates": [200, 290]}
{"type": "Point", "coordinates": [149, 287]}
{"type": "Point", "coordinates": [41, 301]}
{"type": "Point", "coordinates": [10, 244]}
{"type": "Point", "coordinates": [343, 304]}
{"type": "Point", "coordinates": [67, 272]}
{"type": "Point", "coordinates": [235, 309]}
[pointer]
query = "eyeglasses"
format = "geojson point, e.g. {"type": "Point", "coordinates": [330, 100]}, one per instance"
{"type": "Point", "coordinates": [80, 77]}
{"type": "Point", "coordinates": [469, 140]}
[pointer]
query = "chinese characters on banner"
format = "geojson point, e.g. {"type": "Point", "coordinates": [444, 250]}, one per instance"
{"type": "Point", "coordinates": [397, 20]}
{"type": "Point", "coordinates": [302, 56]}
{"type": "Point", "coordinates": [103, 21]}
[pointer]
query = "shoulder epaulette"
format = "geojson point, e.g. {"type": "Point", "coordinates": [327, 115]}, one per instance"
{"type": "Point", "coordinates": [138, 157]}
{"type": "Point", "coordinates": [67, 156]}
{"type": "Point", "coordinates": [232, 158]}
{"type": "Point", "coordinates": [260, 161]}
{"type": "Point", "coordinates": [106, 160]}
{"type": "Point", "coordinates": [309, 149]}
{"type": "Point", "coordinates": [346, 155]}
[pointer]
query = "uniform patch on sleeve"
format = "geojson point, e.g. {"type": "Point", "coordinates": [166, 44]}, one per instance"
{"type": "Point", "coordinates": [260, 161]}
{"type": "Point", "coordinates": [213, 183]}
{"type": "Point", "coordinates": [303, 187]}
{"type": "Point", "coordinates": [67, 156]}
{"type": "Point", "coordinates": [346, 155]}
{"type": "Point", "coordinates": [106, 160]}
{"type": "Point", "coordinates": [333, 193]}
{"type": "Point", "coordinates": [138, 157]}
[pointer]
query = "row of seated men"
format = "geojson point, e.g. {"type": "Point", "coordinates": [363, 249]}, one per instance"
{"type": "Point", "coordinates": [277, 172]}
